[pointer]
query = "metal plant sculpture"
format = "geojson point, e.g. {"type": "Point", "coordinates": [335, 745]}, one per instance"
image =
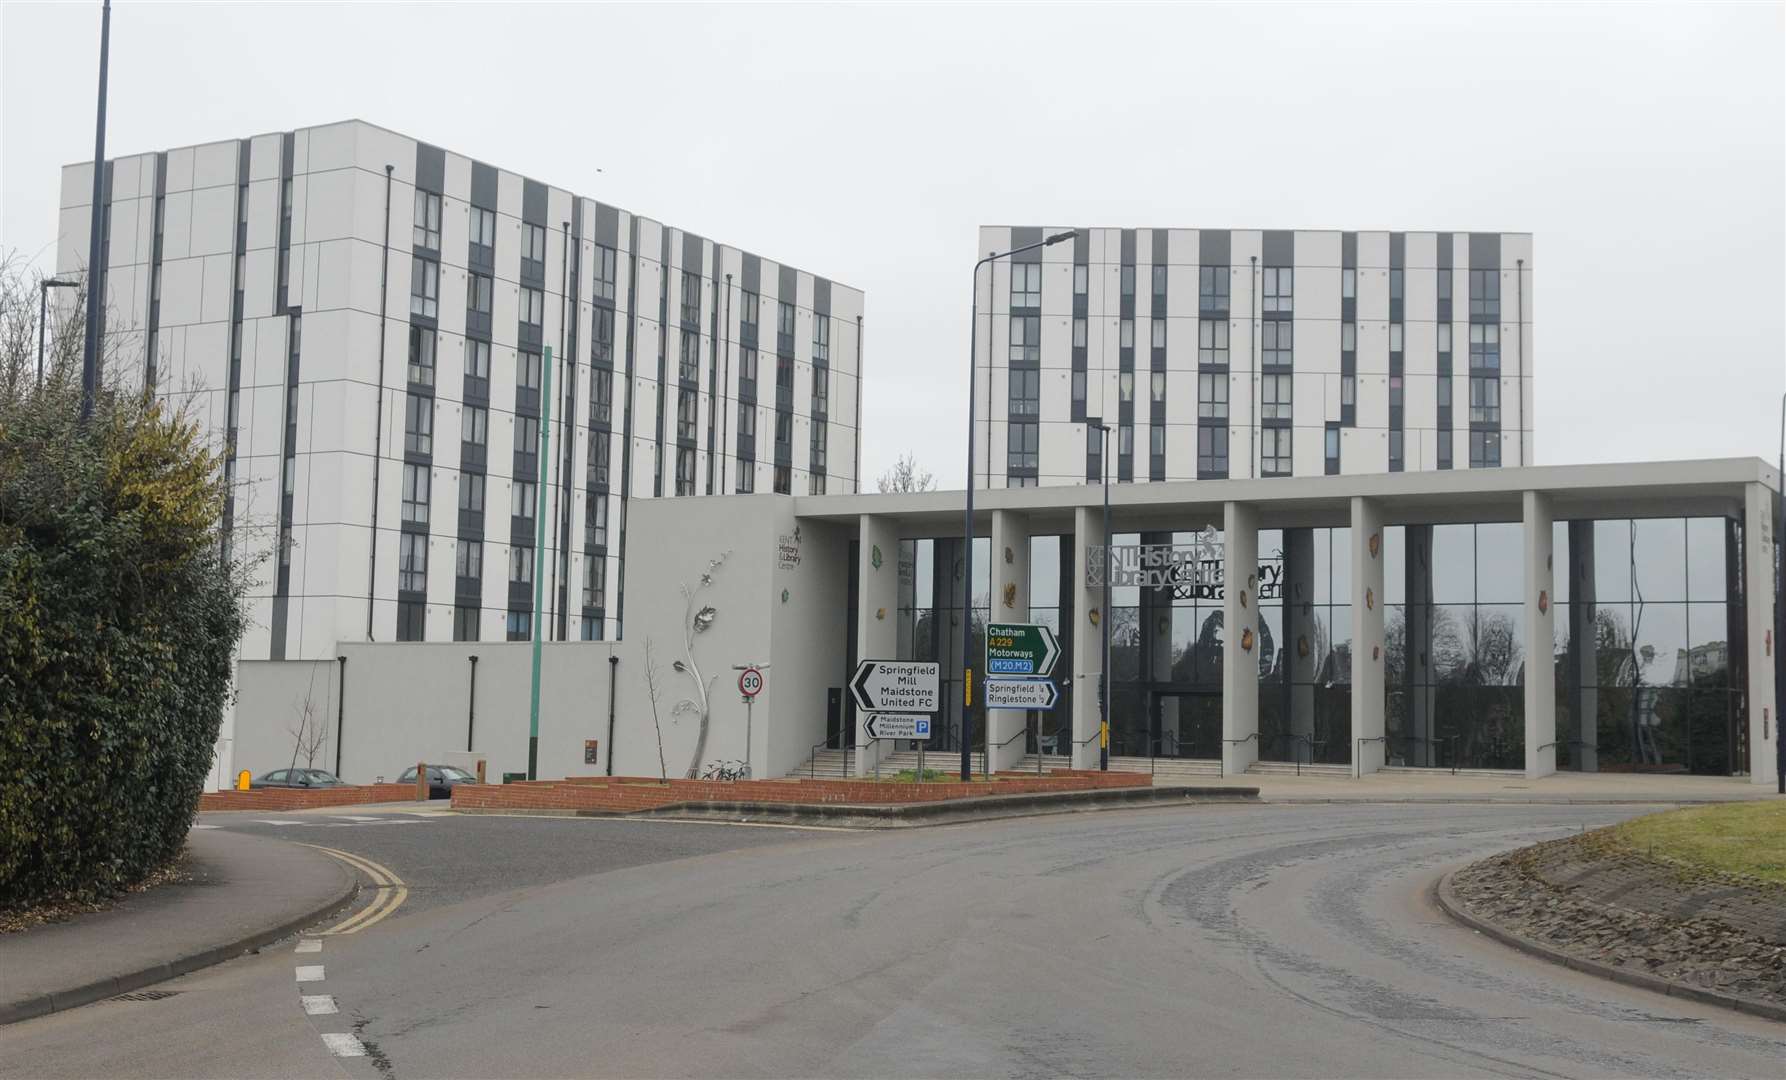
{"type": "Point", "coordinates": [697, 619]}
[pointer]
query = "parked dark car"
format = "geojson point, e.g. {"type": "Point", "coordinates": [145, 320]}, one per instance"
{"type": "Point", "coordinates": [300, 778]}
{"type": "Point", "coordinates": [441, 779]}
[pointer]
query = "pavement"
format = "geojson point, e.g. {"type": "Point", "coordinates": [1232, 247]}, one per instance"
{"type": "Point", "coordinates": [1439, 786]}
{"type": "Point", "coordinates": [1256, 940]}
{"type": "Point", "coordinates": [237, 893]}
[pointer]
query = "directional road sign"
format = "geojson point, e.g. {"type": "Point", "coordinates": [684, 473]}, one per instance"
{"type": "Point", "coordinates": [895, 686]}
{"type": "Point", "coordinates": [1020, 649]}
{"type": "Point", "coordinates": [883, 725]}
{"type": "Point", "coordinates": [1029, 693]}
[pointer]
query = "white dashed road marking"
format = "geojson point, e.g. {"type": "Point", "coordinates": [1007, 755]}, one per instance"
{"type": "Point", "coordinates": [310, 973]}
{"type": "Point", "coordinates": [342, 1044]}
{"type": "Point", "coordinates": [309, 944]}
{"type": "Point", "coordinates": [319, 1005]}
{"type": "Point", "coordinates": [204, 826]}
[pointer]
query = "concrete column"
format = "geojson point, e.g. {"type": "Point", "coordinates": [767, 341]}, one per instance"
{"type": "Point", "coordinates": [1300, 640]}
{"type": "Point", "coordinates": [1240, 637]}
{"type": "Point", "coordinates": [1540, 617]}
{"type": "Point", "coordinates": [1758, 597]}
{"type": "Point", "coordinates": [1088, 637]}
{"type": "Point", "coordinates": [877, 612]}
{"type": "Point", "coordinates": [1367, 637]}
{"type": "Point", "coordinates": [1419, 696]}
{"type": "Point", "coordinates": [1584, 647]}
{"type": "Point", "coordinates": [1010, 603]}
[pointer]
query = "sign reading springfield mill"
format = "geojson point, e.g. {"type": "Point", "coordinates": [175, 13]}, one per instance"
{"type": "Point", "coordinates": [1191, 570]}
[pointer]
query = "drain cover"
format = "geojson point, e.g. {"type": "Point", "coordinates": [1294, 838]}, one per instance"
{"type": "Point", "coordinates": [146, 995]}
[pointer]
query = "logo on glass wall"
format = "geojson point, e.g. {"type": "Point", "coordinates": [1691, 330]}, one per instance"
{"type": "Point", "coordinates": [1246, 640]}
{"type": "Point", "coordinates": [1543, 601]}
{"type": "Point", "coordinates": [1376, 543]}
{"type": "Point", "coordinates": [1010, 594]}
{"type": "Point", "coordinates": [875, 557]}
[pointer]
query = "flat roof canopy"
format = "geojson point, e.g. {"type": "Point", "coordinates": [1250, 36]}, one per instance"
{"type": "Point", "coordinates": [1705, 488]}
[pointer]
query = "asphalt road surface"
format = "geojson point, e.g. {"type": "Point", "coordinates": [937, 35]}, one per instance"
{"type": "Point", "coordinates": [1293, 941]}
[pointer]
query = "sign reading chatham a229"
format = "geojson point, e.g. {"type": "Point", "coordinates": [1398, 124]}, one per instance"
{"type": "Point", "coordinates": [1020, 649]}
{"type": "Point", "coordinates": [895, 686]}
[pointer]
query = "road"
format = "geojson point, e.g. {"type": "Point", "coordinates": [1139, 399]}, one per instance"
{"type": "Point", "coordinates": [1293, 941]}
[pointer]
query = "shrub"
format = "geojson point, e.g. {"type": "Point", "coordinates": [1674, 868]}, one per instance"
{"type": "Point", "coordinates": [119, 620]}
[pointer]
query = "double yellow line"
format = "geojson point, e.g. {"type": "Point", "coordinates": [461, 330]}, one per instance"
{"type": "Point", "coordinates": [390, 889]}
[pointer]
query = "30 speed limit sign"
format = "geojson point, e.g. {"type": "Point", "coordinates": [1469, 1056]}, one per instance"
{"type": "Point", "coordinates": [750, 682]}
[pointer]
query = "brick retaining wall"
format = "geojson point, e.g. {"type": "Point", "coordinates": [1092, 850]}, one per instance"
{"type": "Point", "coordinates": [279, 799]}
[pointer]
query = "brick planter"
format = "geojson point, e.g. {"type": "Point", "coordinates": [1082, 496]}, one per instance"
{"type": "Point", "coordinates": [281, 799]}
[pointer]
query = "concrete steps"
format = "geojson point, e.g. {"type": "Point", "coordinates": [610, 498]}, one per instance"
{"type": "Point", "coordinates": [1288, 768]}
{"type": "Point", "coordinates": [1474, 774]}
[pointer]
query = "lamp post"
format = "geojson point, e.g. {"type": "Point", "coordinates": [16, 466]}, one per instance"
{"type": "Point", "coordinates": [967, 531]}
{"type": "Point", "coordinates": [95, 239]}
{"type": "Point", "coordinates": [43, 307]}
{"type": "Point", "coordinates": [1104, 623]}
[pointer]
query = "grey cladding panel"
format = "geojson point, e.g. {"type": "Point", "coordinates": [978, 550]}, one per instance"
{"type": "Point", "coordinates": [821, 296]}
{"type": "Point", "coordinates": [430, 168]}
{"type": "Point", "coordinates": [533, 201]}
{"type": "Point", "coordinates": [287, 153]}
{"type": "Point", "coordinates": [753, 273]}
{"type": "Point", "coordinates": [1398, 250]}
{"type": "Point", "coordinates": [1445, 249]}
{"type": "Point", "coordinates": [1278, 248]}
{"type": "Point", "coordinates": [1128, 245]}
{"type": "Point", "coordinates": [1349, 249]}
{"type": "Point", "coordinates": [692, 252]}
{"type": "Point", "coordinates": [1160, 254]}
{"type": "Point", "coordinates": [1485, 251]}
{"type": "Point", "coordinates": [607, 225]}
{"type": "Point", "coordinates": [483, 185]}
{"type": "Point", "coordinates": [1214, 247]}
{"type": "Point", "coordinates": [789, 287]}
{"type": "Point", "coordinates": [1081, 245]}
{"type": "Point", "coordinates": [1023, 236]}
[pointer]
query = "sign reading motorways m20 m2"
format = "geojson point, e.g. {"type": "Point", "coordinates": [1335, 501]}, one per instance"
{"type": "Point", "coordinates": [1020, 649]}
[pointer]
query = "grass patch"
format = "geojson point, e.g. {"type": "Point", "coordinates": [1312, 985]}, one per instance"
{"type": "Point", "coordinates": [931, 776]}
{"type": "Point", "coordinates": [1746, 838]}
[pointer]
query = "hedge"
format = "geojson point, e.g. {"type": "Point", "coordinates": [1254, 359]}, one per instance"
{"type": "Point", "coordinates": [119, 619]}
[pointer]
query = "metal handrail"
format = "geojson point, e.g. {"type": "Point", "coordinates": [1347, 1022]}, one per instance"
{"type": "Point", "coordinates": [1308, 739]}
{"type": "Point", "coordinates": [1448, 739]}
{"type": "Point", "coordinates": [1358, 750]}
{"type": "Point", "coordinates": [986, 751]}
{"type": "Point", "coordinates": [812, 758]}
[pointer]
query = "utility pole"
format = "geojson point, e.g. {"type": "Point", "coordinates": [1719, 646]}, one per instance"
{"type": "Point", "coordinates": [95, 250]}
{"type": "Point", "coordinates": [539, 580]}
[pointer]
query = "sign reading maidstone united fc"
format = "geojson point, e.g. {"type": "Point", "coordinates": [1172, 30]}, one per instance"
{"type": "Point", "coordinates": [895, 686]}
{"type": "Point", "coordinates": [1020, 649]}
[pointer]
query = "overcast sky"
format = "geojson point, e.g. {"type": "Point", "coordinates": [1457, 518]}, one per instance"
{"type": "Point", "coordinates": [1645, 146]}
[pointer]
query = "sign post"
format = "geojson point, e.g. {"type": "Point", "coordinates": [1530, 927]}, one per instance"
{"type": "Point", "coordinates": [750, 684]}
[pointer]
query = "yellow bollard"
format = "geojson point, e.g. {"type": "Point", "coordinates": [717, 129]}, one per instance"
{"type": "Point", "coordinates": [244, 780]}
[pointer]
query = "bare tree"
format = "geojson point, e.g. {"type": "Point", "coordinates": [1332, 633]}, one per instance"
{"type": "Point", "coordinates": [906, 476]}
{"type": "Point", "coordinates": [652, 690]}
{"type": "Point", "coordinates": [308, 733]}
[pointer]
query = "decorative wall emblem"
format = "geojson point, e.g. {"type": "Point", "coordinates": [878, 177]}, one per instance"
{"type": "Point", "coordinates": [880, 613]}
{"type": "Point", "coordinates": [1376, 652]}
{"type": "Point", "coordinates": [1422, 659]}
{"type": "Point", "coordinates": [874, 557]}
{"type": "Point", "coordinates": [1543, 601]}
{"type": "Point", "coordinates": [1246, 640]}
{"type": "Point", "coordinates": [1093, 616]}
{"type": "Point", "coordinates": [1165, 625]}
{"type": "Point", "coordinates": [1010, 594]}
{"type": "Point", "coordinates": [1370, 599]}
{"type": "Point", "coordinates": [784, 596]}
{"type": "Point", "coordinates": [1376, 544]}
{"type": "Point", "coordinates": [1010, 556]}
{"type": "Point", "coordinates": [1243, 598]}
{"type": "Point", "coordinates": [1302, 646]}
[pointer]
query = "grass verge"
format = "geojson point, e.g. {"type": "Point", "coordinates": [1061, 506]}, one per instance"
{"type": "Point", "coordinates": [1747, 838]}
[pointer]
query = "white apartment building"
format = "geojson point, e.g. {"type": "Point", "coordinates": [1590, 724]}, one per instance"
{"type": "Point", "coordinates": [1217, 353]}
{"type": "Point", "coordinates": [362, 319]}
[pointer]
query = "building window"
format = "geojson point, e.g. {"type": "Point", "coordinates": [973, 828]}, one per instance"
{"type": "Point", "coordinates": [1125, 440]}
{"type": "Point", "coordinates": [1396, 442]}
{"type": "Point", "coordinates": [1333, 448]}
{"type": "Point", "coordinates": [1212, 342]}
{"type": "Point", "coordinates": [815, 484]}
{"type": "Point", "coordinates": [1485, 449]}
{"type": "Point", "coordinates": [600, 454]}
{"type": "Point", "coordinates": [1485, 400]}
{"type": "Point", "coordinates": [784, 372]}
{"type": "Point", "coordinates": [1026, 388]}
{"type": "Point", "coordinates": [478, 293]}
{"type": "Point", "coordinates": [1125, 386]}
{"type": "Point", "coordinates": [412, 619]}
{"type": "Point", "coordinates": [1212, 451]}
{"type": "Point", "coordinates": [784, 481]}
{"type": "Point", "coordinates": [418, 425]}
{"type": "Point", "coordinates": [533, 242]}
{"type": "Point", "coordinates": [1159, 286]}
{"type": "Point", "coordinates": [421, 355]}
{"type": "Point", "coordinates": [415, 494]}
{"type": "Point", "coordinates": [821, 339]}
{"type": "Point", "coordinates": [1026, 339]}
{"type": "Point", "coordinates": [1079, 332]}
{"type": "Point", "coordinates": [520, 625]}
{"type": "Point", "coordinates": [1280, 283]}
{"type": "Point", "coordinates": [527, 435]}
{"type": "Point", "coordinates": [1212, 397]}
{"type": "Point", "coordinates": [749, 308]}
{"type": "Point", "coordinates": [1128, 280]}
{"type": "Point", "coordinates": [1348, 284]}
{"type": "Point", "coordinates": [1081, 279]}
{"type": "Point", "coordinates": [820, 446]}
{"type": "Point", "coordinates": [1026, 285]}
{"type": "Point", "coordinates": [685, 470]}
{"type": "Point", "coordinates": [1078, 393]}
{"type": "Point", "coordinates": [477, 359]}
{"type": "Point", "coordinates": [598, 523]}
{"type": "Point", "coordinates": [591, 628]}
{"type": "Point", "coordinates": [821, 392]}
{"type": "Point", "coordinates": [1395, 392]}
{"type": "Point", "coordinates": [785, 318]}
{"type": "Point", "coordinates": [747, 365]}
{"type": "Point", "coordinates": [747, 422]}
{"type": "Point", "coordinates": [1444, 394]}
{"type": "Point", "coordinates": [784, 427]}
{"type": "Point", "coordinates": [1395, 337]}
{"type": "Point", "coordinates": [1278, 338]}
{"type": "Point", "coordinates": [533, 307]}
{"type": "Point", "coordinates": [474, 425]}
{"type": "Point", "coordinates": [1348, 390]}
{"type": "Point", "coordinates": [1126, 333]}
{"type": "Point", "coordinates": [747, 476]}
{"type": "Point", "coordinates": [601, 396]}
{"type": "Point", "coordinates": [1159, 333]}
{"type": "Point", "coordinates": [1485, 294]}
{"type": "Point", "coordinates": [1348, 337]}
{"type": "Point", "coordinates": [527, 370]}
{"type": "Point", "coordinates": [1444, 284]}
{"type": "Point", "coordinates": [1156, 440]}
{"type": "Point", "coordinates": [1274, 393]}
{"type": "Point", "coordinates": [685, 414]}
{"type": "Point", "coordinates": [521, 565]}
{"type": "Point", "coordinates": [522, 496]}
{"type": "Point", "coordinates": [483, 228]}
{"type": "Point", "coordinates": [424, 288]}
{"type": "Point", "coordinates": [1274, 443]}
{"type": "Point", "coordinates": [1395, 285]}
{"type": "Point", "coordinates": [471, 492]}
{"type": "Point", "coordinates": [688, 358]}
{"type": "Point", "coordinates": [1445, 449]}
{"type": "Point", "coordinates": [412, 562]}
{"type": "Point", "coordinates": [1158, 382]}
{"type": "Point", "coordinates": [427, 219]}
{"type": "Point", "coordinates": [606, 273]}
{"type": "Point", "coordinates": [1445, 338]}
{"type": "Point", "coordinates": [468, 559]}
{"type": "Point", "coordinates": [595, 584]}
{"type": "Point", "coordinates": [601, 336]}
{"type": "Point", "coordinates": [1212, 289]}
{"type": "Point", "coordinates": [465, 623]}
{"type": "Point", "coordinates": [1485, 345]}
{"type": "Point", "coordinates": [1021, 452]}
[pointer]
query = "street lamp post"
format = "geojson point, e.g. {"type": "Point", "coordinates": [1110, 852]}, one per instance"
{"type": "Point", "coordinates": [967, 531]}
{"type": "Point", "coordinates": [95, 239]}
{"type": "Point", "coordinates": [43, 307]}
{"type": "Point", "coordinates": [1104, 623]}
